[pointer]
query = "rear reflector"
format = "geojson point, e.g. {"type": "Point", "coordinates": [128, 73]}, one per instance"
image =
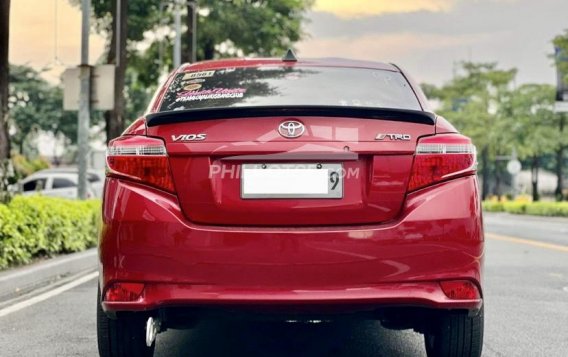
{"type": "Point", "coordinates": [441, 157]}
{"type": "Point", "coordinates": [124, 292]}
{"type": "Point", "coordinates": [460, 290]}
{"type": "Point", "coordinates": [142, 159]}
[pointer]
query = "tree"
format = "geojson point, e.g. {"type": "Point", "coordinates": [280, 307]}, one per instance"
{"type": "Point", "coordinates": [136, 17]}
{"type": "Point", "coordinates": [4, 72]}
{"type": "Point", "coordinates": [225, 28]}
{"type": "Point", "coordinates": [474, 102]}
{"type": "Point", "coordinates": [37, 105]}
{"type": "Point", "coordinates": [532, 107]}
{"type": "Point", "coordinates": [561, 42]}
{"type": "Point", "coordinates": [187, 45]}
{"type": "Point", "coordinates": [114, 119]}
{"type": "Point", "coordinates": [250, 27]}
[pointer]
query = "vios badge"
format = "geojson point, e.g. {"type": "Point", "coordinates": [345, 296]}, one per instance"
{"type": "Point", "coordinates": [189, 137]}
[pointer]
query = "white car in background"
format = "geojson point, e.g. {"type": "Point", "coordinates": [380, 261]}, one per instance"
{"type": "Point", "coordinates": [61, 182]}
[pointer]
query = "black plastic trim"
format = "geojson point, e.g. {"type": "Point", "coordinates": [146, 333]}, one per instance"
{"type": "Point", "coordinates": [180, 116]}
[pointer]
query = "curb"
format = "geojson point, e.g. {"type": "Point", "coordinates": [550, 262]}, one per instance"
{"type": "Point", "coordinates": [19, 281]}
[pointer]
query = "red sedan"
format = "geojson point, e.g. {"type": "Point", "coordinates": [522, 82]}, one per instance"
{"type": "Point", "coordinates": [295, 190]}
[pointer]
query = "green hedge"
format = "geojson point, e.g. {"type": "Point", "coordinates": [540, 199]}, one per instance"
{"type": "Point", "coordinates": [37, 226]}
{"type": "Point", "coordinates": [556, 209]}
{"type": "Point", "coordinates": [493, 206]}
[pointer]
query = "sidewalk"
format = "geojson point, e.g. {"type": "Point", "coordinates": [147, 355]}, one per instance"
{"type": "Point", "coordinates": [21, 280]}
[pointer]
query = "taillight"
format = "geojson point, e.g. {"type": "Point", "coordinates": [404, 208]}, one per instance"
{"type": "Point", "coordinates": [442, 157]}
{"type": "Point", "coordinates": [141, 159]}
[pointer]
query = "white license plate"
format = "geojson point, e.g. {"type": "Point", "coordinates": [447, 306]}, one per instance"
{"type": "Point", "coordinates": [291, 181]}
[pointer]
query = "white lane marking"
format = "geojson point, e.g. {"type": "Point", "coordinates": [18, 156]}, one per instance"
{"type": "Point", "coordinates": [48, 294]}
{"type": "Point", "coordinates": [41, 266]}
{"type": "Point", "coordinates": [557, 247]}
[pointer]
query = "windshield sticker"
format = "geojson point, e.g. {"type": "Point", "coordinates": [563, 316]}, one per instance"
{"type": "Point", "coordinates": [227, 70]}
{"type": "Point", "coordinates": [192, 75]}
{"type": "Point", "coordinates": [196, 80]}
{"type": "Point", "coordinates": [215, 93]}
{"type": "Point", "coordinates": [192, 87]}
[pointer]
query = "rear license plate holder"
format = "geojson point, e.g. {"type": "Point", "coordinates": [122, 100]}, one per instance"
{"type": "Point", "coordinates": [292, 180]}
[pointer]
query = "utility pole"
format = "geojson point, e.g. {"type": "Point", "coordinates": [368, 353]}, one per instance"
{"type": "Point", "coordinates": [177, 40]}
{"type": "Point", "coordinates": [190, 42]}
{"type": "Point", "coordinates": [84, 100]}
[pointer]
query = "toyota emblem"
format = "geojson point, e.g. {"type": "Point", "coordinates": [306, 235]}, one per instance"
{"type": "Point", "coordinates": [291, 129]}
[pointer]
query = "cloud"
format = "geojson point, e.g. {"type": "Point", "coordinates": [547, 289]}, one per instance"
{"type": "Point", "coordinates": [465, 17]}
{"type": "Point", "coordinates": [365, 8]}
{"type": "Point", "coordinates": [388, 47]}
{"type": "Point", "coordinates": [428, 57]}
{"type": "Point", "coordinates": [515, 33]}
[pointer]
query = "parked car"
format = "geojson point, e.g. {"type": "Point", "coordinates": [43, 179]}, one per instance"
{"type": "Point", "coordinates": [96, 178]}
{"type": "Point", "coordinates": [295, 190]}
{"type": "Point", "coordinates": [59, 182]}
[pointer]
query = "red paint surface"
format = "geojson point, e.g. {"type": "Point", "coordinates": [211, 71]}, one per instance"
{"type": "Point", "coordinates": [203, 245]}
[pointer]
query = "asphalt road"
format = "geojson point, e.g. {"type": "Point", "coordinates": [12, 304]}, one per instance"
{"type": "Point", "coordinates": [526, 312]}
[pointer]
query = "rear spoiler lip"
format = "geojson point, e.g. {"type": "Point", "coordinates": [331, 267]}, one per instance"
{"type": "Point", "coordinates": [181, 116]}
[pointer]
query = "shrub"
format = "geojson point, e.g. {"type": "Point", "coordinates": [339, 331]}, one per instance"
{"type": "Point", "coordinates": [558, 209]}
{"type": "Point", "coordinates": [492, 206]}
{"type": "Point", "coordinates": [548, 209]}
{"type": "Point", "coordinates": [37, 226]}
{"type": "Point", "coordinates": [515, 207]}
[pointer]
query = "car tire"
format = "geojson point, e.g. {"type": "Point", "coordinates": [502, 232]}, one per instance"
{"type": "Point", "coordinates": [121, 337]}
{"type": "Point", "coordinates": [455, 334]}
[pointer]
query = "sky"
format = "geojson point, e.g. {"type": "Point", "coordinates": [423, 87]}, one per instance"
{"type": "Point", "coordinates": [426, 37]}
{"type": "Point", "coordinates": [47, 34]}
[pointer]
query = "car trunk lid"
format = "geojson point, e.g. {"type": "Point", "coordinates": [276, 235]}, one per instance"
{"type": "Point", "coordinates": [207, 158]}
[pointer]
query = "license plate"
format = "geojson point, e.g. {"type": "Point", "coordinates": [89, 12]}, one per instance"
{"type": "Point", "coordinates": [291, 181]}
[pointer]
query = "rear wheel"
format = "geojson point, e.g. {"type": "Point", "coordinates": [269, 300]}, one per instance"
{"type": "Point", "coordinates": [455, 334]}
{"type": "Point", "coordinates": [121, 337]}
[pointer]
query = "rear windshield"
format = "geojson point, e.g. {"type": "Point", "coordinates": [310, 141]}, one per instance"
{"type": "Point", "coordinates": [290, 85]}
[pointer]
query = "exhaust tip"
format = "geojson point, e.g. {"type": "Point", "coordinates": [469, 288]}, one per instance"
{"type": "Point", "coordinates": [152, 329]}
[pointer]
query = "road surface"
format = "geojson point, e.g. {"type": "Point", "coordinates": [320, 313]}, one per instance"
{"type": "Point", "coordinates": [526, 306]}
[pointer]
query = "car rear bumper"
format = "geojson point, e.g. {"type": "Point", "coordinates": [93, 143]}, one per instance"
{"type": "Point", "coordinates": [147, 239]}
{"type": "Point", "coordinates": [353, 299]}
